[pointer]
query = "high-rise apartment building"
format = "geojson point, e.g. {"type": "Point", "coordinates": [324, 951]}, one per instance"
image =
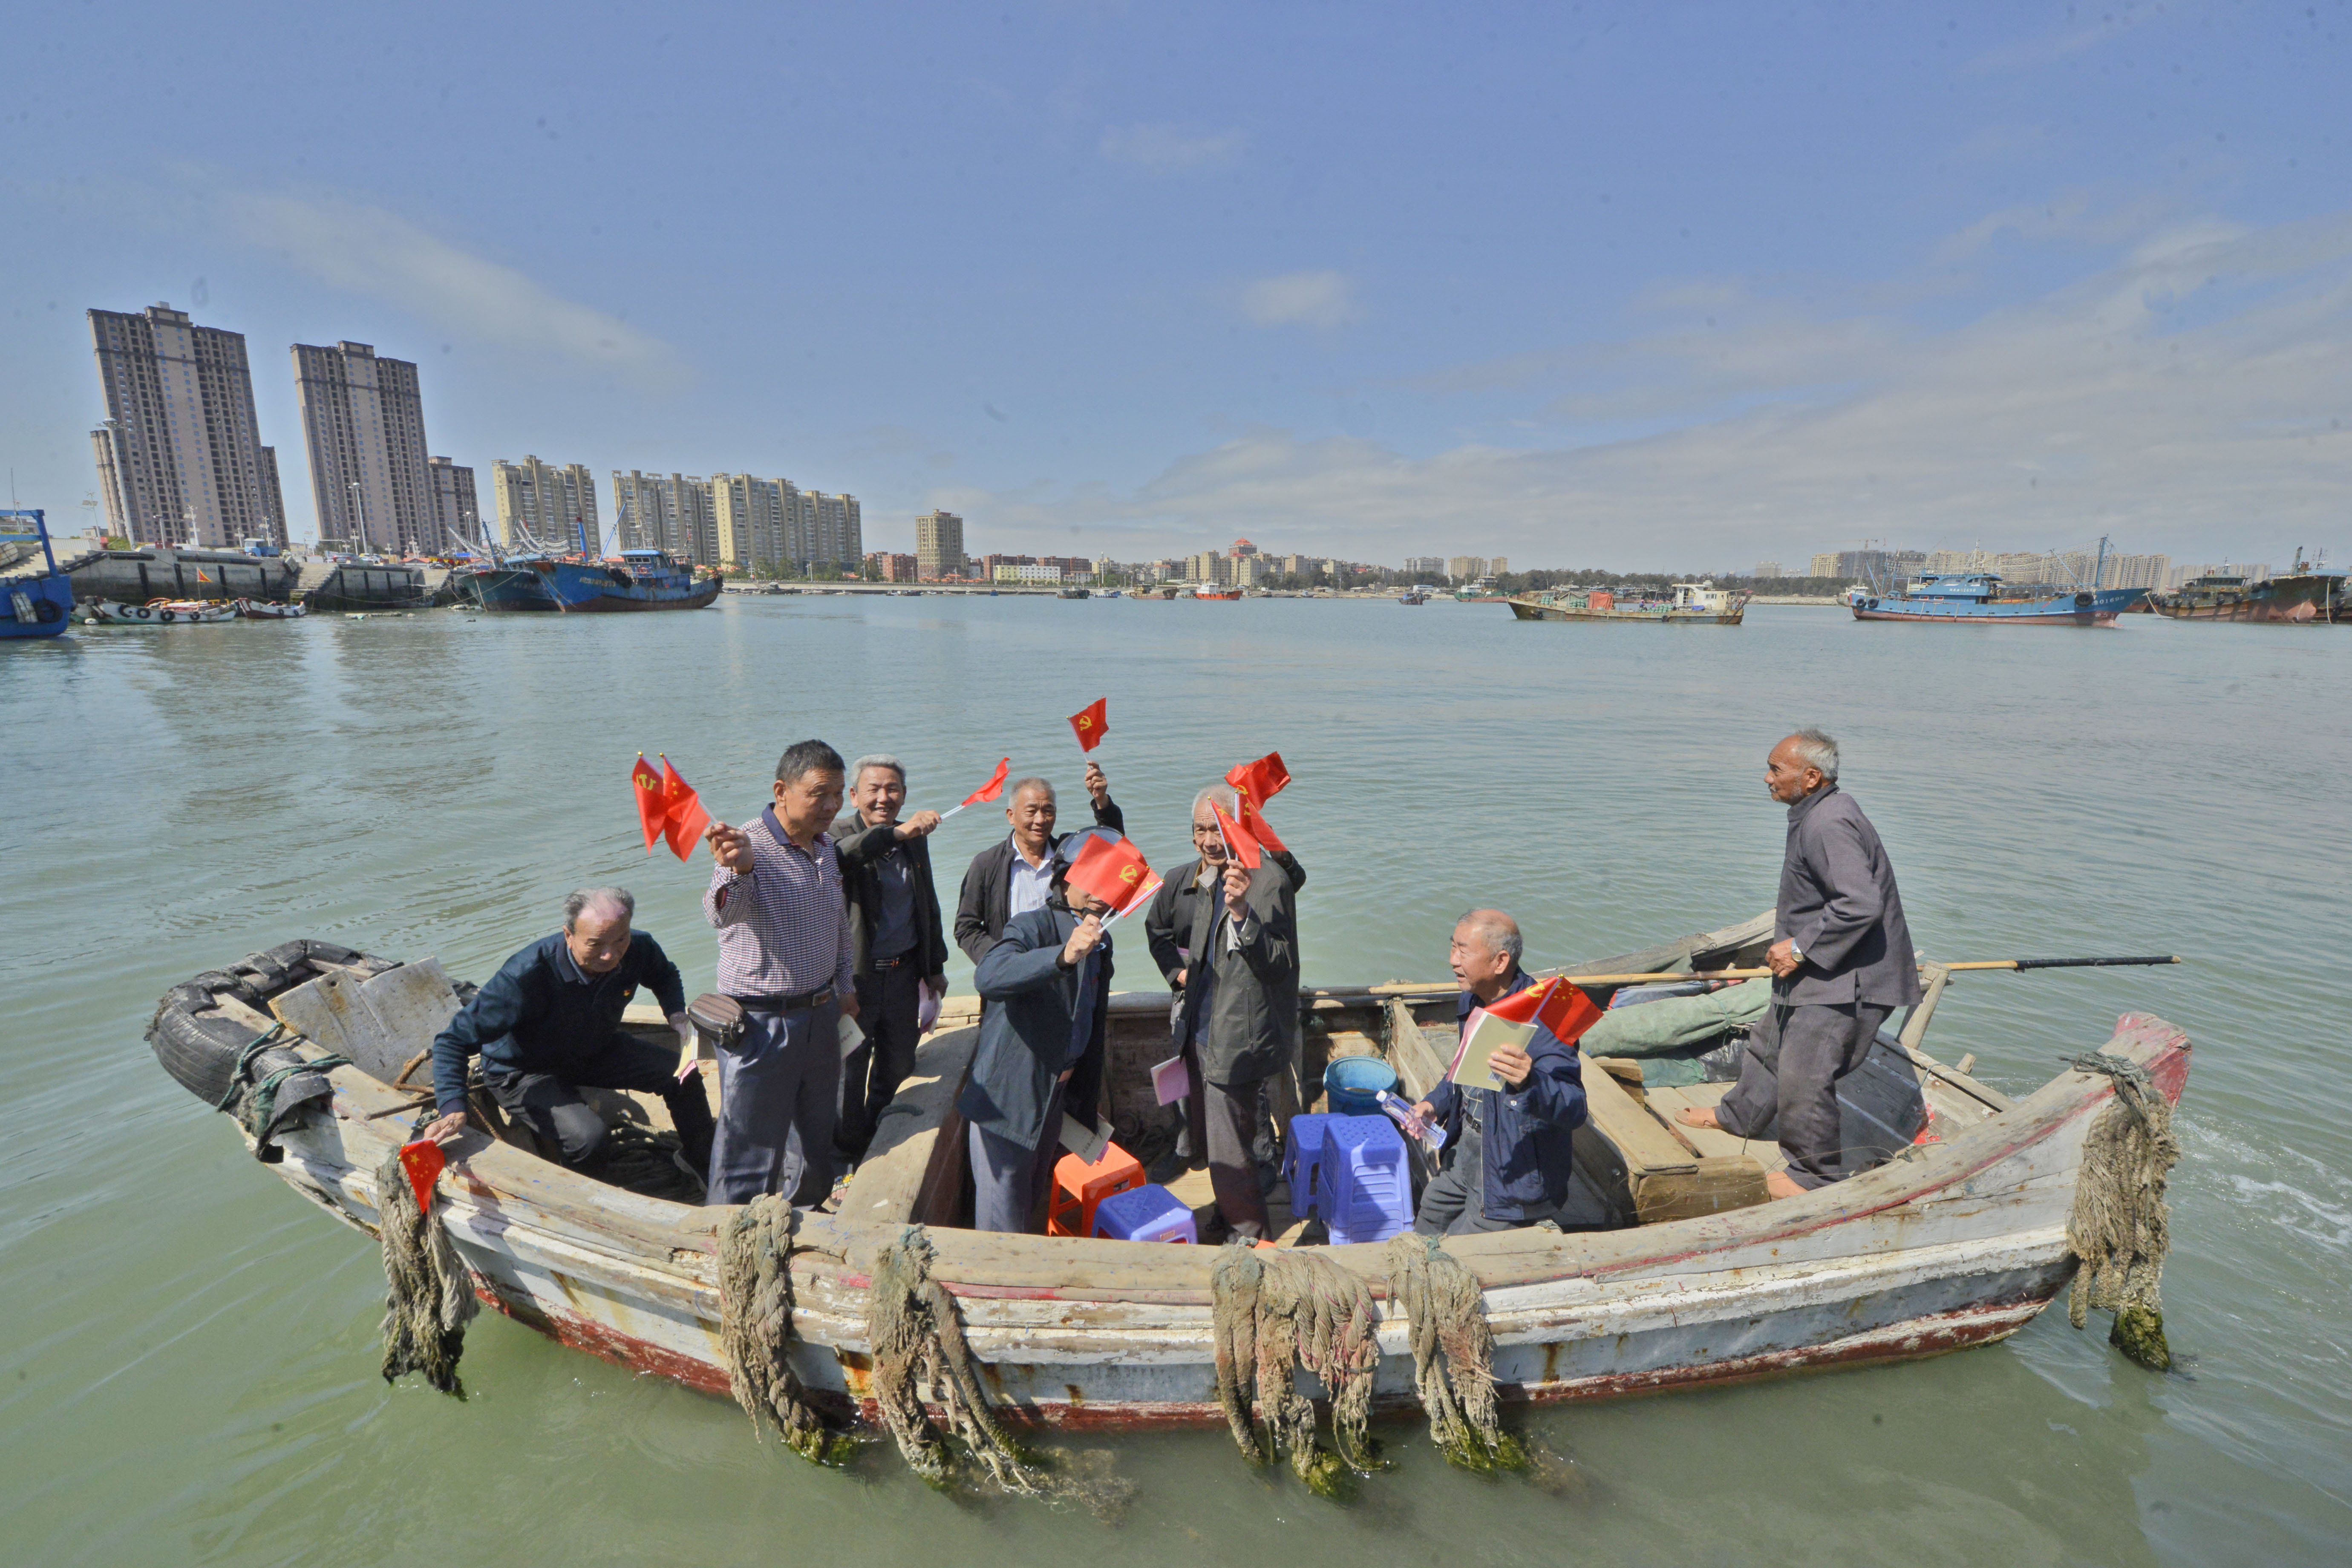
{"type": "Point", "coordinates": [1499, 566]}
{"type": "Point", "coordinates": [753, 520]}
{"type": "Point", "coordinates": [542, 505]}
{"type": "Point", "coordinates": [180, 458]}
{"type": "Point", "coordinates": [676, 512]}
{"type": "Point", "coordinates": [1424, 566]}
{"type": "Point", "coordinates": [938, 546]}
{"type": "Point", "coordinates": [1467, 567]}
{"type": "Point", "coordinates": [363, 427]}
{"type": "Point", "coordinates": [834, 535]}
{"type": "Point", "coordinates": [455, 510]}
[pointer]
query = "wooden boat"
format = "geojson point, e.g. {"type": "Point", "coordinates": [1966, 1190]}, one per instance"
{"type": "Point", "coordinates": [1689, 602]}
{"type": "Point", "coordinates": [266, 610]}
{"type": "Point", "coordinates": [163, 612]}
{"type": "Point", "coordinates": [1687, 1280]}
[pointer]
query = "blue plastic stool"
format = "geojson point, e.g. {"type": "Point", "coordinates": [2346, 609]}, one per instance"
{"type": "Point", "coordinates": [1300, 1153]}
{"type": "Point", "coordinates": [1362, 1185]}
{"type": "Point", "coordinates": [1149, 1213]}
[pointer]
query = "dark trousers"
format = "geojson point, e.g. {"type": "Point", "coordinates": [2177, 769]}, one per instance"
{"type": "Point", "coordinates": [1787, 1084]}
{"type": "Point", "coordinates": [1454, 1201]}
{"type": "Point", "coordinates": [776, 1095]}
{"type": "Point", "coordinates": [1223, 1121]}
{"type": "Point", "coordinates": [889, 1004]}
{"type": "Point", "coordinates": [1008, 1181]}
{"type": "Point", "coordinates": [551, 1106]}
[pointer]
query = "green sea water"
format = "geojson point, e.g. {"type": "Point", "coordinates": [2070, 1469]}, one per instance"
{"type": "Point", "coordinates": [187, 1348]}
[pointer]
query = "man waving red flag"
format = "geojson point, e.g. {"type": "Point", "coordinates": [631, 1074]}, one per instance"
{"type": "Point", "coordinates": [1112, 869]}
{"type": "Point", "coordinates": [1260, 781]}
{"type": "Point", "coordinates": [989, 791]}
{"type": "Point", "coordinates": [651, 813]}
{"type": "Point", "coordinates": [1090, 722]}
{"type": "Point", "coordinates": [1239, 844]}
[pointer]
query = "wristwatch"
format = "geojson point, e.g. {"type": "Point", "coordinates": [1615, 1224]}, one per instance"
{"type": "Point", "coordinates": [1796, 952]}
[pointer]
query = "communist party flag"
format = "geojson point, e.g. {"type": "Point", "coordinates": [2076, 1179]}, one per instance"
{"type": "Point", "coordinates": [1255, 824]}
{"type": "Point", "coordinates": [1090, 722]}
{"type": "Point", "coordinates": [1239, 845]}
{"type": "Point", "coordinates": [991, 789]}
{"type": "Point", "coordinates": [1260, 781]}
{"type": "Point", "coordinates": [1113, 870]}
{"type": "Point", "coordinates": [1560, 1007]}
{"type": "Point", "coordinates": [651, 813]}
{"type": "Point", "coordinates": [684, 809]}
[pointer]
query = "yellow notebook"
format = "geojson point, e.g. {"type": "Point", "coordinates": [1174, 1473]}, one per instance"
{"type": "Point", "coordinates": [1482, 1036]}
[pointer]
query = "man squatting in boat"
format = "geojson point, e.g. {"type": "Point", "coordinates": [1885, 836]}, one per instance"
{"type": "Point", "coordinates": [785, 953]}
{"type": "Point", "coordinates": [1840, 960]}
{"type": "Point", "coordinates": [1227, 938]}
{"type": "Point", "coordinates": [1507, 1151]}
{"type": "Point", "coordinates": [548, 1024]}
{"type": "Point", "coordinates": [899, 947]}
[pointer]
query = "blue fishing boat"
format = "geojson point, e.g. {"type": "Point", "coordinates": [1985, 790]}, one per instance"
{"type": "Point", "coordinates": [1981, 598]}
{"type": "Point", "coordinates": [639, 580]}
{"type": "Point", "coordinates": [36, 598]}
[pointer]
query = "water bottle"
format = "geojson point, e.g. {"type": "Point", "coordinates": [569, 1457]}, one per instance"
{"type": "Point", "coordinates": [1427, 1133]}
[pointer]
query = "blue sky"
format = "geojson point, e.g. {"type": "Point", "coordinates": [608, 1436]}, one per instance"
{"type": "Point", "coordinates": [1651, 287]}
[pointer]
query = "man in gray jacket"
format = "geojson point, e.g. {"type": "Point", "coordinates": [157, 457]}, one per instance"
{"type": "Point", "coordinates": [1841, 960]}
{"type": "Point", "coordinates": [1227, 938]}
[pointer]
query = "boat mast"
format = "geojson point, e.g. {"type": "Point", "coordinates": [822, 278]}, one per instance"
{"type": "Point", "coordinates": [2099, 573]}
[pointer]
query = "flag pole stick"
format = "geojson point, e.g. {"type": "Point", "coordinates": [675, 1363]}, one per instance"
{"type": "Point", "coordinates": [1667, 976]}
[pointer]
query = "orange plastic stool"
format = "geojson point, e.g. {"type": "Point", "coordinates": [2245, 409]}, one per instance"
{"type": "Point", "coordinates": [1079, 1188]}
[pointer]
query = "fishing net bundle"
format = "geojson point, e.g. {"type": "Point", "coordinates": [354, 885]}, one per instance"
{"type": "Point", "coordinates": [2121, 1227]}
{"type": "Point", "coordinates": [1272, 1311]}
{"type": "Point", "coordinates": [428, 1296]}
{"type": "Point", "coordinates": [755, 1325]}
{"type": "Point", "coordinates": [1452, 1353]}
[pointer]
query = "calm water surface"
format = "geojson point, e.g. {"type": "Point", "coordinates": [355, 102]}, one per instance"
{"type": "Point", "coordinates": [187, 1366]}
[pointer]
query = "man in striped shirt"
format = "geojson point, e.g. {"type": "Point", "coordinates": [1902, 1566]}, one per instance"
{"type": "Point", "coordinates": [784, 953]}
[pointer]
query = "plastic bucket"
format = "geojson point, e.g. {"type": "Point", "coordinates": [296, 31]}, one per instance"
{"type": "Point", "coordinates": [1354, 1083]}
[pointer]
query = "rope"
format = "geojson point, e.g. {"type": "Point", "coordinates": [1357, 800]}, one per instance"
{"type": "Point", "coordinates": [2121, 1227]}
{"type": "Point", "coordinates": [428, 1297]}
{"type": "Point", "coordinates": [1452, 1353]}
{"type": "Point", "coordinates": [1273, 1309]}
{"type": "Point", "coordinates": [755, 1325]}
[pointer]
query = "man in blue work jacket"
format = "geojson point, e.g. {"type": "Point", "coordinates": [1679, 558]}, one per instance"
{"type": "Point", "coordinates": [548, 1025]}
{"type": "Point", "coordinates": [1507, 1151]}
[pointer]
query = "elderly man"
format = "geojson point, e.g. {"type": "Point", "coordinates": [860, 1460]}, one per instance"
{"type": "Point", "coordinates": [1842, 962]}
{"type": "Point", "coordinates": [1014, 877]}
{"type": "Point", "coordinates": [1227, 938]}
{"type": "Point", "coordinates": [548, 1025]}
{"type": "Point", "coordinates": [785, 952]}
{"type": "Point", "coordinates": [1507, 1151]}
{"type": "Point", "coordinates": [899, 949]}
{"type": "Point", "coordinates": [1047, 981]}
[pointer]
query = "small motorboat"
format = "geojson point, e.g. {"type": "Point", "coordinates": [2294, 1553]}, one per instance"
{"type": "Point", "coordinates": [162, 613]}
{"type": "Point", "coordinates": [269, 610]}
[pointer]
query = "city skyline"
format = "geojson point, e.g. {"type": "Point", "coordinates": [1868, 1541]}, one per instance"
{"type": "Point", "coordinates": [1609, 299]}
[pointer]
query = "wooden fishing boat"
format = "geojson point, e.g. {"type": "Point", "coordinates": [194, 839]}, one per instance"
{"type": "Point", "coordinates": [1686, 1279]}
{"type": "Point", "coordinates": [1688, 604]}
{"type": "Point", "coordinates": [163, 612]}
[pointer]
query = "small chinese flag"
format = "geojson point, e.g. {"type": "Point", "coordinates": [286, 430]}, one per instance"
{"type": "Point", "coordinates": [1260, 781]}
{"type": "Point", "coordinates": [1560, 1007]}
{"type": "Point", "coordinates": [1255, 824]}
{"type": "Point", "coordinates": [651, 811]}
{"type": "Point", "coordinates": [423, 1159]}
{"type": "Point", "coordinates": [1090, 722]}
{"type": "Point", "coordinates": [992, 788]}
{"type": "Point", "coordinates": [684, 809]}
{"type": "Point", "coordinates": [1239, 845]}
{"type": "Point", "coordinates": [1113, 870]}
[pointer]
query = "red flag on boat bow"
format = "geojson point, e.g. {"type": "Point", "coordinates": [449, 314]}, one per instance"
{"type": "Point", "coordinates": [1090, 722]}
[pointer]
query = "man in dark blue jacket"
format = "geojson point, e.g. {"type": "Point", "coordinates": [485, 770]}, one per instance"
{"type": "Point", "coordinates": [1047, 979]}
{"type": "Point", "coordinates": [1507, 1151]}
{"type": "Point", "coordinates": [548, 1024]}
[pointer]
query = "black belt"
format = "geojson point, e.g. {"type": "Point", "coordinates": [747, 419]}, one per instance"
{"type": "Point", "coordinates": [802, 1003]}
{"type": "Point", "coordinates": [893, 962]}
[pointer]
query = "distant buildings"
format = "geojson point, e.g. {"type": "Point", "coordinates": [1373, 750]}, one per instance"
{"type": "Point", "coordinates": [180, 458]}
{"type": "Point", "coordinates": [755, 520]}
{"type": "Point", "coordinates": [939, 546]}
{"type": "Point", "coordinates": [363, 429]}
{"type": "Point", "coordinates": [1420, 566]}
{"type": "Point", "coordinates": [454, 506]}
{"type": "Point", "coordinates": [1466, 568]}
{"type": "Point", "coordinates": [1242, 549]}
{"type": "Point", "coordinates": [883, 566]}
{"type": "Point", "coordinates": [540, 505]}
{"type": "Point", "coordinates": [1767, 569]}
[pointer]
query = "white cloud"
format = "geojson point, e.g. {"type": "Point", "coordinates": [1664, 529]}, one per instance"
{"type": "Point", "coordinates": [1300, 298]}
{"type": "Point", "coordinates": [367, 251]}
{"type": "Point", "coordinates": [1165, 150]}
{"type": "Point", "coordinates": [2189, 399]}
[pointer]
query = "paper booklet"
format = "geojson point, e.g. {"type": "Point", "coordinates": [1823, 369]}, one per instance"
{"type": "Point", "coordinates": [1483, 1034]}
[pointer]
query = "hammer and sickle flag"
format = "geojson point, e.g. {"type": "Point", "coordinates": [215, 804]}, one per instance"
{"type": "Point", "coordinates": [1260, 781]}
{"type": "Point", "coordinates": [1112, 869]}
{"type": "Point", "coordinates": [1090, 722]}
{"type": "Point", "coordinates": [653, 812]}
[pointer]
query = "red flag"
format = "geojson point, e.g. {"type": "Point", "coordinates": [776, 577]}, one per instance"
{"type": "Point", "coordinates": [992, 788]}
{"type": "Point", "coordinates": [651, 812]}
{"type": "Point", "coordinates": [1255, 824]}
{"type": "Point", "coordinates": [1560, 1007]}
{"type": "Point", "coordinates": [1262, 780]}
{"type": "Point", "coordinates": [1239, 845]}
{"type": "Point", "coordinates": [423, 1159]}
{"type": "Point", "coordinates": [1113, 870]}
{"type": "Point", "coordinates": [1090, 722]}
{"type": "Point", "coordinates": [684, 808]}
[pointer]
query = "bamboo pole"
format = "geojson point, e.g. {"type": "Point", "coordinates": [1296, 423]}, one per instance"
{"type": "Point", "coordinates": [1660, 978]}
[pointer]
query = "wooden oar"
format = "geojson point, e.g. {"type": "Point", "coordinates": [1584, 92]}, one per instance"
{"type": "Point", "coordinates": [1671, 976]}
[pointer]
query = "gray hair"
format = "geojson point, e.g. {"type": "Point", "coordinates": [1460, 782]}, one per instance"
{"type": "Point", "coordinates": [1498, 931]}
{"type": "Point", "coordinates": [597, 901]}
{"type": "Point", "coordinates": [876, 760]}
{"type": "Point", "coordinates": [1012, 791]}
{"type": "Point", "coordinates": [1225, 795]}
{"type": "Point", "coordinates": [1817, 750]}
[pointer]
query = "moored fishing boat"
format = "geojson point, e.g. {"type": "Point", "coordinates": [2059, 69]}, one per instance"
{"type": "Point", "coordinates": [1981, 598]}
{"type": "Point", "coordinates": [266, 610]}
{"type": "Point", "coordinates": [36, 598]}
{"type": "Point", "coordinates": [2306, 593]}
{"type": "Point", "coordinates": [1685, 1278]}
{"type": "Point", "coordinates": [162, 613]}
{"type": "Point", "coordinates": [1686, 604]}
